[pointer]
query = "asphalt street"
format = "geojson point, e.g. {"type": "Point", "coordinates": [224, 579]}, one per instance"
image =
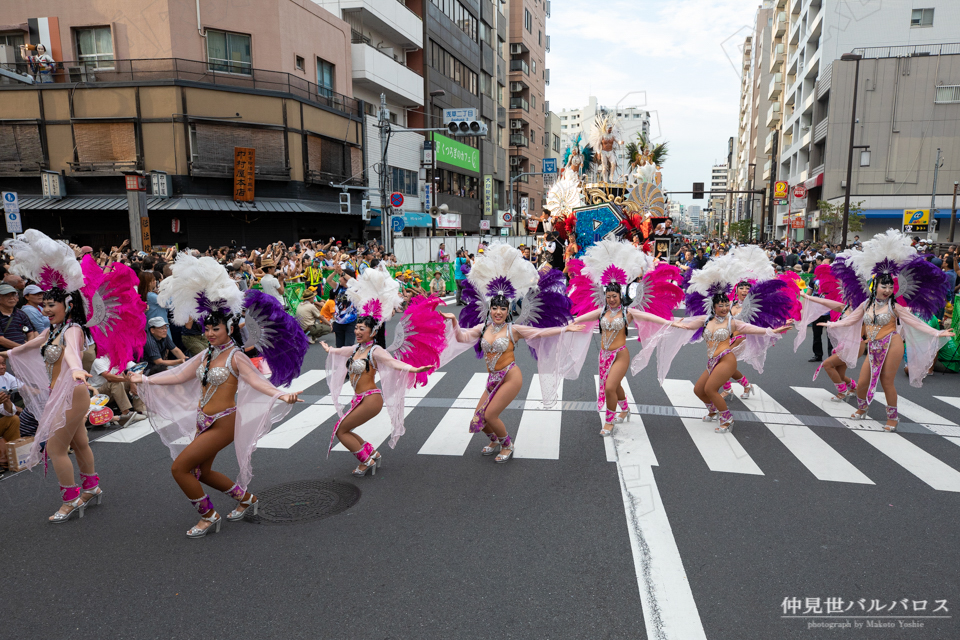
{"type": "Point", "coordinates": [667, 530]}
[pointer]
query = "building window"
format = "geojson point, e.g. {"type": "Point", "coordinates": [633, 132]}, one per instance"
{"type": "Point", "coordinates": [405, 181]}
{"type": "Point", "coordinates": [527, 21]}
{"type": "Point", "coordinates": [229, 52]}
{"type": "Point", "coordinates": [95, 47]}
{"type": "Point", "coordinates": [325, 77]}
{"type": "Point", "coordinates": [556, 143]}
{"type": "Point", "coordinates": [13, 40]}
{"type": "Point", "coordinates": [921, 18]}
{"type": "Point", "coordinates": [460, 17]}
{"type": "Point", "coordinates": [448, 65]}
{"type": "Point", "coordinates": [533, 65]}
{"type": "Point", "coordinates": [539, 36]}
{"type": "Point", "coordinates": [298, 63]}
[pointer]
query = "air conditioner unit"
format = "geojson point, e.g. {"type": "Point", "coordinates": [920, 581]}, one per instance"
{"type": "Point", "coordinates": [516, 49]}
{"type": "Point", "coordinates": [514, 161]}
{"type": "Point", "coordinates": [516, 87]}
{"type": "Point", "coordinates": [77, 74]}
{"type": "Point", "coordinates": [516, 124]}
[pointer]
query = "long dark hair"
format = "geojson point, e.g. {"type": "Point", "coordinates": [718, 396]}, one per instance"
{"type": "Point", "coordinates": [883, 278]}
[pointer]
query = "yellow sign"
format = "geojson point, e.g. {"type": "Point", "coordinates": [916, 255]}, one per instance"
{"type": "Point", "coordinates": [916, 220]}
{"type": "Point", "coordinates": [780, 189]}
{"type": "Point", "coordinates": [145, 233]}
{"type": "Point", "coordinates": [244, 167]}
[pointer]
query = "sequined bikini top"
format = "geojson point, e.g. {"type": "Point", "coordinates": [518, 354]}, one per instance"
{"type": "Point", "coordinates": [877, 321]}
{"type": "Point", "coordinates": [719, 336]}
{"type": "Point", "coordinates": [493, 350]}
{"type": "Point", "coordinates": [53, 350]}
{"type": "Point", "coordinates": [610, 329]}
{"type": "Point", "coordinates": [216, 376]}
{"type": "Point", "coordinates": [356, 367]}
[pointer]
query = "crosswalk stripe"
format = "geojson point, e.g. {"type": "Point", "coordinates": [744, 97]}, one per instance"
{"type": "Point", "coordinates": [924, 466]}
{"type": "Point", "coordinates": [822, 460]}
{"type": "Point", "coordinates": [951, 400]}
{"type": "Point", "coordinates": [721, 452]}
{"type": "Point", "coordinates": [538, 436]}
{"type": "Point", "coordinates": [452, 435]}
{"type": "Point", "coordinates": [377, 430]}
{"type": "Point", "coordinates": [923, 416]}
{"type": "Point", "coordinates": [839, 410]}
{"type": "Point", "coordinates": [307, 380]}
{"type": "Point", "coordinates": [129, 434]}
{"type": "Point", "coordinates": [294, 429]}
{"type": "Point", "coordinates": [918, 462]}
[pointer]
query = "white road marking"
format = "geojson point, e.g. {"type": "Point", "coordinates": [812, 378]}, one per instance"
{"type": "Point", "coordinates": [822, 460]}
{"type": "Point", "coordinates": [721, 452]}
{"type": "Point", "coordinates": [538, 436]}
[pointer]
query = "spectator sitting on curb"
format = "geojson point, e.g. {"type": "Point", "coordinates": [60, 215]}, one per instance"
{"type": "Point", "coordinates": [310, 317]}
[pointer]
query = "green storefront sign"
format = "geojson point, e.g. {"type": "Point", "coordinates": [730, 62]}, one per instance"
{"type": "Point", "coordinates": [458, 154]}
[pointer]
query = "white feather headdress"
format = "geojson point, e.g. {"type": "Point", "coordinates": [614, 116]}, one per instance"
{"type": "Point", "coordinates": [375, 294]}
{"type": "Point", "coordinates": [752, 263]}
{"type": "Point", "coordinates": [48, 262]}
{"type": "Point", "coordinates": [892, 245]}
{"type": "Point", "coordinates": [502, 271]}
{"type": "Point", "coordinates": [719, 273]}
{"type": "Point", "coordinates": [197, 288]}
{"type": "Point", "coordinates": [615, 261]}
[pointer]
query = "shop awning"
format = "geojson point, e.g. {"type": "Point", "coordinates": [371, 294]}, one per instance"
{"type": "Point", "coordinates": [273, 205]}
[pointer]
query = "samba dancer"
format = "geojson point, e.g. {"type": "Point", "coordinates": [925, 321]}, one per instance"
{"type": "Point", "coordinates": [887, 261]}
{"type": "Point", "coordinates": [418, 346]}
{"type": "Point", "coordinates": [597, 291]}
{"type": "Point", "coordinates": [50, 366]}
{"type": "Point", "coordinates": [219, 396]}
{"type": "Point", "coordinates": [497, 280]}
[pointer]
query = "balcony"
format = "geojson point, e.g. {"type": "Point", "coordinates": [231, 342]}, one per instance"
{"type": "Point", "coordinates": [547, 46]}
{"type": "Point", "coordinates": [519, 140]}
{"type": "Point", "coordinates": [780, 24]}
{"type": "Point", "coordinates": [389, 17]}
{"type": "Point", "coordinates": [773, 114]}
{"type": "Point", "coordinates": [519, 103]}
{"type": "Point", "coordinates": [378, 72]}
{"type": "Point", "coordinates": [547, 5]}
{"type": "Point", "coordinates": [768, 143]}
{"type": "Point", "coordinates": [820, 131]}
{"type": "Point", "coordinates": [776, 57]}
{"type": "Point", "coordinates": [520, 65]}
{"type": "Point", "coordinates": [546, 76]}
{"type": "Point", "coordinates": [766, 170]}
{"type": "Point", "coordinates": [517, 86]}
{"type": "Point", "coordinates": [776, 86]}
{"type": "Point", "coordinates": [193, 72]}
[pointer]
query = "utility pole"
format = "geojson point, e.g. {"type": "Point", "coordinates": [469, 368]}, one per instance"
{"type": "Point", "coordinates": [386, 211]}
{"type": "Point", "coordinates": [774, 163]}
{"type": "Point", "coordinates": [933, 198]}
{"type": "Point", "coordinates": [953, 211]}
{"type": "Point", "coordinates": [853, 129]}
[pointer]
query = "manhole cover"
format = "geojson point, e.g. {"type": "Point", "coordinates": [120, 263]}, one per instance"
{"type": "Point", "coordinates": [304, 501]}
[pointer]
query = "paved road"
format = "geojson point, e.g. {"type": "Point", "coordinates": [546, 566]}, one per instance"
{"type": "Point", "coordinates": [667, 530]}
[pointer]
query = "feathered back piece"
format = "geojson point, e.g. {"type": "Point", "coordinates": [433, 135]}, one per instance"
{"type": "Point", "coordinates": [853, 289]}
{"type": "Point", "coordinates": [794, 285]}
{"type": "Point", "coordinates": [717, 276]}
{"type": "Point", "coordinates": [117, 314]}
{"type": "Point", "coordinates": [546, 305]}
{"type": "Point", "coordinates": [48, 262]}
{"type": "Point", "coordinates": [419, 338]}
{"type": "Point", "coordinates": [829, 287]}
{"type": "Point", "coordinates": [375, 294]}
{"type": "Point", "coordinates": [275, 334]}
{"type": "Point", "coordinates": [659, 293]}
{"type": "Point", "coordinates": [501, 271]}
{"type": "Point", "coordinates": [197, 288]}
{"type": "Point", "coordinates": [606, 262]}
{"type": "Point", "coordinates": [920, 284]}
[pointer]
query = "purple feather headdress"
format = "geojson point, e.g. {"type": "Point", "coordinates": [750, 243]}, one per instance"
{"type": "Point", "coordinates": [276, 335]}
{"type": "Point", "coordinates": [854, 289]}
{"type": "Point", "coordinates": [546, 305]}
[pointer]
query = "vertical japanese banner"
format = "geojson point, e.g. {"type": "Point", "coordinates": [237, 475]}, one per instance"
{"type": "Point", "coordinates": [145, 232]}
{"type": "Point", "coordinates": [244, 165]}
{"type": "Point", "coordinates": [488, 195]}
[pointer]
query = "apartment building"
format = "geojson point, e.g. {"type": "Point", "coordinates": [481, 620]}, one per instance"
{"type": "Point", "coordinates": [717, 199]}
{"type": "Point", "coordinates": [170, 93]}
{"type": "Point", "coordinates": [386, 52]}
{"type": "Point", "coordinates": [820, 31]}
{"type": "Point", "coordinates": [529, 77]}
{"type": "Point", "coordinates": [464, 67]}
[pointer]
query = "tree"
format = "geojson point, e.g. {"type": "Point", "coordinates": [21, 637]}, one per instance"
{"type": "Point", "coordinates": [831, 219]}
{"type": "Point", "coordinates": [741, 230]}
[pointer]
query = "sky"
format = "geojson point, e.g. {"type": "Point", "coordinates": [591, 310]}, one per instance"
{"type": "Point", "coordinates": [684, 54]}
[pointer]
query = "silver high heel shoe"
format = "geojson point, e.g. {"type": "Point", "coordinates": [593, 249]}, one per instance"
{"type": "Point", "coordinates": [251, 504]}
{"type": "Point", "coordinates": [604, 432]}
{"type": "Point", "coordinates": [711, 417]}
{"type": "Point", "coordinates": [215, 521]}
{"type": "Point", "coordinates": [622, 419]}
{"type": "Point", "coordinates": [746, 392]}
{"type": "Point", "coordinates": [490, 449]}
{"type": "Point", "coordinates": [77, 505]}
{"type": "Point", "coordinates": [505, 454]}
{"type": "Point", "coordinates": [372, 463]}
{"type": "Point", "coordinates": [97, 494]}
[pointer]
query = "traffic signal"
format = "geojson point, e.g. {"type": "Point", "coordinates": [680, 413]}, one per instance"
{"type": "Point", "coordinates": [365, 210]}
{"type": "Point", "coordinates": [698, 191]}
{"type": "Point", "coordinates": [345, 203]}
{"type": "Point", "coordinates": [467, 128]}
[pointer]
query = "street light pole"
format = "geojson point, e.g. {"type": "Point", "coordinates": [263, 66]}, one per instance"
{"type": "Point", "coordinates": [953, 211]}
{"type": "Point", "coordinates": [853, 128]}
